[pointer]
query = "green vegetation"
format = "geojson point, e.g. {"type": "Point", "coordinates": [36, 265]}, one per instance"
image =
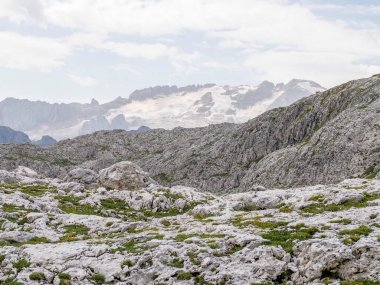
{"type": "Point", "coordinates": [77, 229]}
{"type": "Point", "coordinates": [362, 230]}
{"type": "Point", "coordinates": [70, 204]}
{"type": "Point", "coordinates": [183, 237]}
{"type": "Point", "coordinates": [165, 223]}
{"type": "Point", "coordinates": [342, 221]}
{"type": "Point", "coordinates": [98, 279]}
{"type": "Point", "coordinates": [9, 208]}
{"type": "Point", "coordinates": [170, 195]}
{"type": "Point", "coordinates": [285, 208]}
{"type": "Point", "coordinates": [132, 247]}
{"type": "Point", "coordinates": [2, 257]}
{"type": "Point", "coordinates": [318, 208]}
{"type": "Point", "coordinates": [21, 264]}
{"type": "Point", "coordinates": [64, 278]}
{"type": "Point", "coordinates": [114, 204]}
{"type": "Point", "coordinates": [318, 198]}
{"type": "Point", "coordinates": [369, 173]}
{"type": "Point", "coordinates": [286, 238]}
{"type": "Point", "coordinates": [351, 239]}
{"type": "Point", "coordinates": [72, 232]}
{"type": "Point", "coordinates": [164, 177]}
{"type": "Point", "coordinates": [35, 240]}
{"type": "Point", "coordinates": [184, 276]}
{"type": "Point", "coordinates": [37, 276]}
{"type": "Point", "coordinates": [176, 262]}
{"type": "Point", "coordinates": [360, 282]}
{"type": "Point", "coordinates": [193, 255]}
{"type": "Point", "coordinates": [127, 262]}
{"type": "Point", "coordinates": [257, 222]}
{"type": "Point", "coordinates": [11, 281]}
{"type": "Point", "coordinates": [35, 190]}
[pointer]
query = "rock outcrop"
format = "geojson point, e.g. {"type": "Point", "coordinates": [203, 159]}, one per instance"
{"type": "Point", "coordinates": [124, 175]}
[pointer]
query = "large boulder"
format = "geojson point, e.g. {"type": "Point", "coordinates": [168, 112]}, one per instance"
{"type": "Point", "coordinates": [85, 176]}
{"type": "Point", "coordinates": [124, 175]}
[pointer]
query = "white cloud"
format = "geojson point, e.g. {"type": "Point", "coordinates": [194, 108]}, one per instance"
{"type": "Point", "coordinates": [82, 80]}
{"type": "Point", "coordinates": [272, 38]}
{"type": "Point", "coordinates": [26, 52]}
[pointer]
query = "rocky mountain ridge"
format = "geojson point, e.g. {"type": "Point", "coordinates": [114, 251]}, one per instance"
{"type": "Point", "coordinates": [155, 107]}
{"type": "Point", "coordinates": [10, 136]}
{"type": "Point", "coordinates": [323, 138]}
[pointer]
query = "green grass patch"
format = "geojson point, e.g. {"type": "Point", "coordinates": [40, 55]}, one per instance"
{"type": "Point", "coordinates": [21, 264]}
{"type": "Point", "coordinates": [369, 173]}
{"type": "Point", "coordinates": [285, 209]}
{"type": "Point", "coordinates": [193, 255]}
{"type": "Point", "coordinates": [318, 198]}
{"type": "Point", "coordinates": [318, 208]}
{"type": "Point", "coordinates": [257, 223]}
{"type": "Point", "coordinates": [98, 279]}
{"type": "Point", "coordinates": [351, 239]}
{"type": "Point", "coordinates": [176, 262]}
{"type": "Point", "coordinates": [70, 205]}
{"type": "Point", "coordinates": [360, 282]}
{"type": "Point", "coordinates": [342, 221]}
{"type": "Point", "coordinates": [9, 208]}
{"type": "Point", "coordinates": [64, 279]}
{"type": "Point", "coordinates": [183, 237]}
{"type": "Point", "coordinates": [287, 238]}
{"type": "Point", "coordinates": [127, 262]}
{"type": "Point", "coordinates": [184, 276]}
{"type": "Point", "coordinates": [77, 229]}
{"type": "Point", "coordinates": [362, 230]}
{"type": "Point", "coordinates": [37, 276]}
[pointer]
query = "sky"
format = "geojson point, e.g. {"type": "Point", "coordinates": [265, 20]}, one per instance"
{"type": "Point", "coordinates": [76, 50]}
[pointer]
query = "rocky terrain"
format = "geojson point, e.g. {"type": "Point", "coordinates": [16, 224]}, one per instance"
{"type": "Point", "coordinates": [155, 107]}
{"type": "Point", "coordinates": [324, 138]}
{"type": "Point", "coordinates": [118, 226]}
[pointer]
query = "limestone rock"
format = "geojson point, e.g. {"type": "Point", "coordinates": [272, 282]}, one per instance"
{"type": "Point", "coordinates": [124, 175]}
{"type": "Point", "coordinates": [85, 176]}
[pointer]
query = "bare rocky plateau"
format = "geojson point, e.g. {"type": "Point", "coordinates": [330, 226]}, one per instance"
{"type": "Point", "coordinates": [119, 226]}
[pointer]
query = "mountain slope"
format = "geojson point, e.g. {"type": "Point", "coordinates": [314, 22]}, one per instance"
{"type": "Point", "coordinates": [157, 107]}
{"type": "Point", "coordinates": [320, 139]}
{"type": "Point", "coordinates": [10, 136]}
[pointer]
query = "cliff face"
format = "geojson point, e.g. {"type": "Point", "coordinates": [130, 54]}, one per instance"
{"type": "Point", "coordinates": [323, 138]}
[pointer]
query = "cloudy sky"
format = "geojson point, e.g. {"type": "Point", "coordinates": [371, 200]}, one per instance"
{"type": "Point", "coordinates": [75, 50]}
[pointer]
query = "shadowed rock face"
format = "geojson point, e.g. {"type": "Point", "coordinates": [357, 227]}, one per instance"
{"type": "Point", "coordinates": [320, 139]}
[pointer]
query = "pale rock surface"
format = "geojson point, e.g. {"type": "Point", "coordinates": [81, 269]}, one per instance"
{"type": "Point", "coordinates": [152, 234]}
{"type": "Point", "coordinates": [124, 175]}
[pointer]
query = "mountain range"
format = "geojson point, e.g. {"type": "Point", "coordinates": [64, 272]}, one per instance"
{"type": "Point", "coordinates": [10, 136]}
{"type": "Point", "coordinates": [156, 107]}
{"type": "Point", "coordinates": [323, 138]}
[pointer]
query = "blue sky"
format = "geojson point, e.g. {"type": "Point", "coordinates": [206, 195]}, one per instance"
{"type": "Point", "coordinates": [75, 50]}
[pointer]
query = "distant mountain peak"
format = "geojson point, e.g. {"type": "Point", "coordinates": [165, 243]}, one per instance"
{"type": "Point", "coordinates": [166, 106]}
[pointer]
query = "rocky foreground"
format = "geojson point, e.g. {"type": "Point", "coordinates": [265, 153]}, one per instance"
{"type": "Point", "coordinates": [119, 227]}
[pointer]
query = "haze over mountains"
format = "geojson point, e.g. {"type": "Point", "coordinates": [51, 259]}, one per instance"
{"type": "Point", "coordinates": [10, 136]}
{"type": "Point", "coordinates": [156, 107]}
